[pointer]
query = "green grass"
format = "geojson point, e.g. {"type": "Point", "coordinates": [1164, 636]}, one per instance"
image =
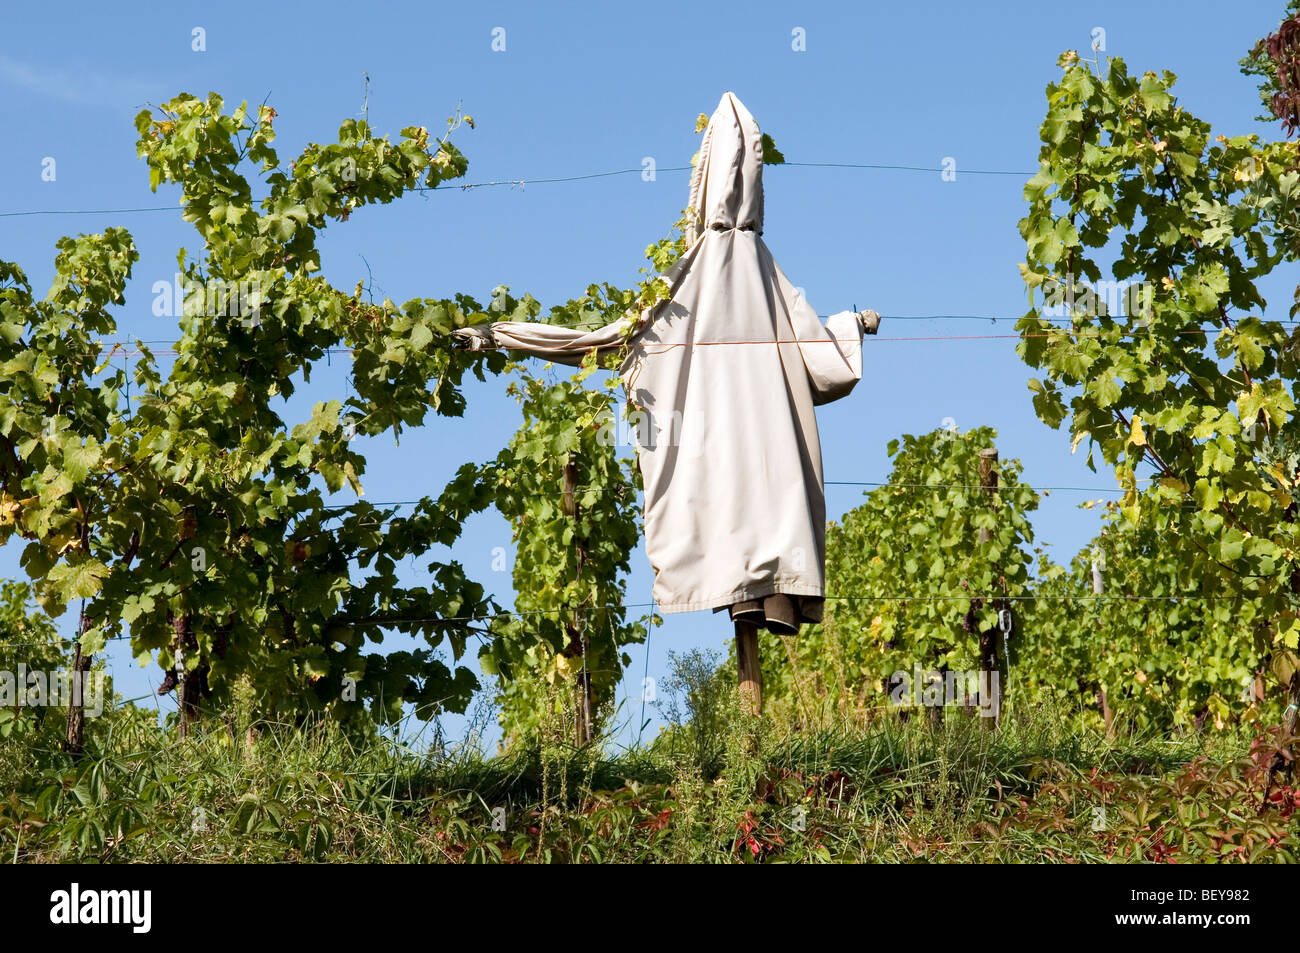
{"type": "Point", "coordinates": [730, 791]}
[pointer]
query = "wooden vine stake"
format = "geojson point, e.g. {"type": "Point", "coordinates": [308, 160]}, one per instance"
{"type": "Point", "coordinates": [1103, 702]}
{"type": "Point", "coordinates": [988, 470]}
{"type": "Point", "coordinates": [74, 740]}
{"type": "Point", "coordinates": [584, 723]}
{"type": "Point", "coordinates": [189, 679]}
{"type": "Point", "coordinates": [749, 676]}
{"type": "Point", "coordinates": [1284, 759]}
{"type": "Point", "coordinates": [188, 683]}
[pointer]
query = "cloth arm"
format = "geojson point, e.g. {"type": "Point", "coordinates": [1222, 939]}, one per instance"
{"type": "Point", "coordinates": [550, 341]}
{"type": "Point", "coordinates": [831, 352]}
{"type": "Point", "coordinates": [567, 345]}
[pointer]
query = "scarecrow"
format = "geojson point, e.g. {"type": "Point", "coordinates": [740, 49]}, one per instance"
{"type": "Point", "coordinates": [726, 373]}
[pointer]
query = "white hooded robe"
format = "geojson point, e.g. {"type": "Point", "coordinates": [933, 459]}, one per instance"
{"type": "Point", "coordinates": [727, 372]}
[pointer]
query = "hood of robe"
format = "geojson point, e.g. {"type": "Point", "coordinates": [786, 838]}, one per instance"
{"type": "Point", "coordinates": [727, 184]}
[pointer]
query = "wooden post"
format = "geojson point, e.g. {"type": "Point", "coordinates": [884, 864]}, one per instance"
{"type": "Point", "coordinates": [74, 740]}
{"type": "Point", "coordinates": [989, 640]}
{"type": "Point", "coordinates": [188, 684]}
{"type": "Point", "coordinates": [935, 712]}
{"type": "Point", "coordinates": [584, 723]}
{"type": "Point", "coordinates": [749, 676]}
{"type": "Point", "coordinates": [1099, 588]}
{"type": "Point", "coordinates": [1283, 760]}
{"type": "Point", "coordinates": [1290, 720]}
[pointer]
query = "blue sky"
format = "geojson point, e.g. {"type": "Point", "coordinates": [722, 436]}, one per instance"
{"type": "Point", "coordinates": [600, 88]}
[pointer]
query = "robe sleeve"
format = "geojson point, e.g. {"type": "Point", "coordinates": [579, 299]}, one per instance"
{"type": "Point", "coordinates": [559, 344]}
{"type": "Point", "coordinates": [568, 346]}
{"type": "Point", "coordinates": [832, 353]}
{"type": "Point", "coordinates": [833, 356]}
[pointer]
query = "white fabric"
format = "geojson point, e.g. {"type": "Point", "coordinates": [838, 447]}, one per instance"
{"type": "Point", "coordinates": [727, 373]}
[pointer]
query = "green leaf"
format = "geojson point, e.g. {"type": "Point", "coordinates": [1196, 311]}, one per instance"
{"type": "Point", "coordinates": [80, 580]}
